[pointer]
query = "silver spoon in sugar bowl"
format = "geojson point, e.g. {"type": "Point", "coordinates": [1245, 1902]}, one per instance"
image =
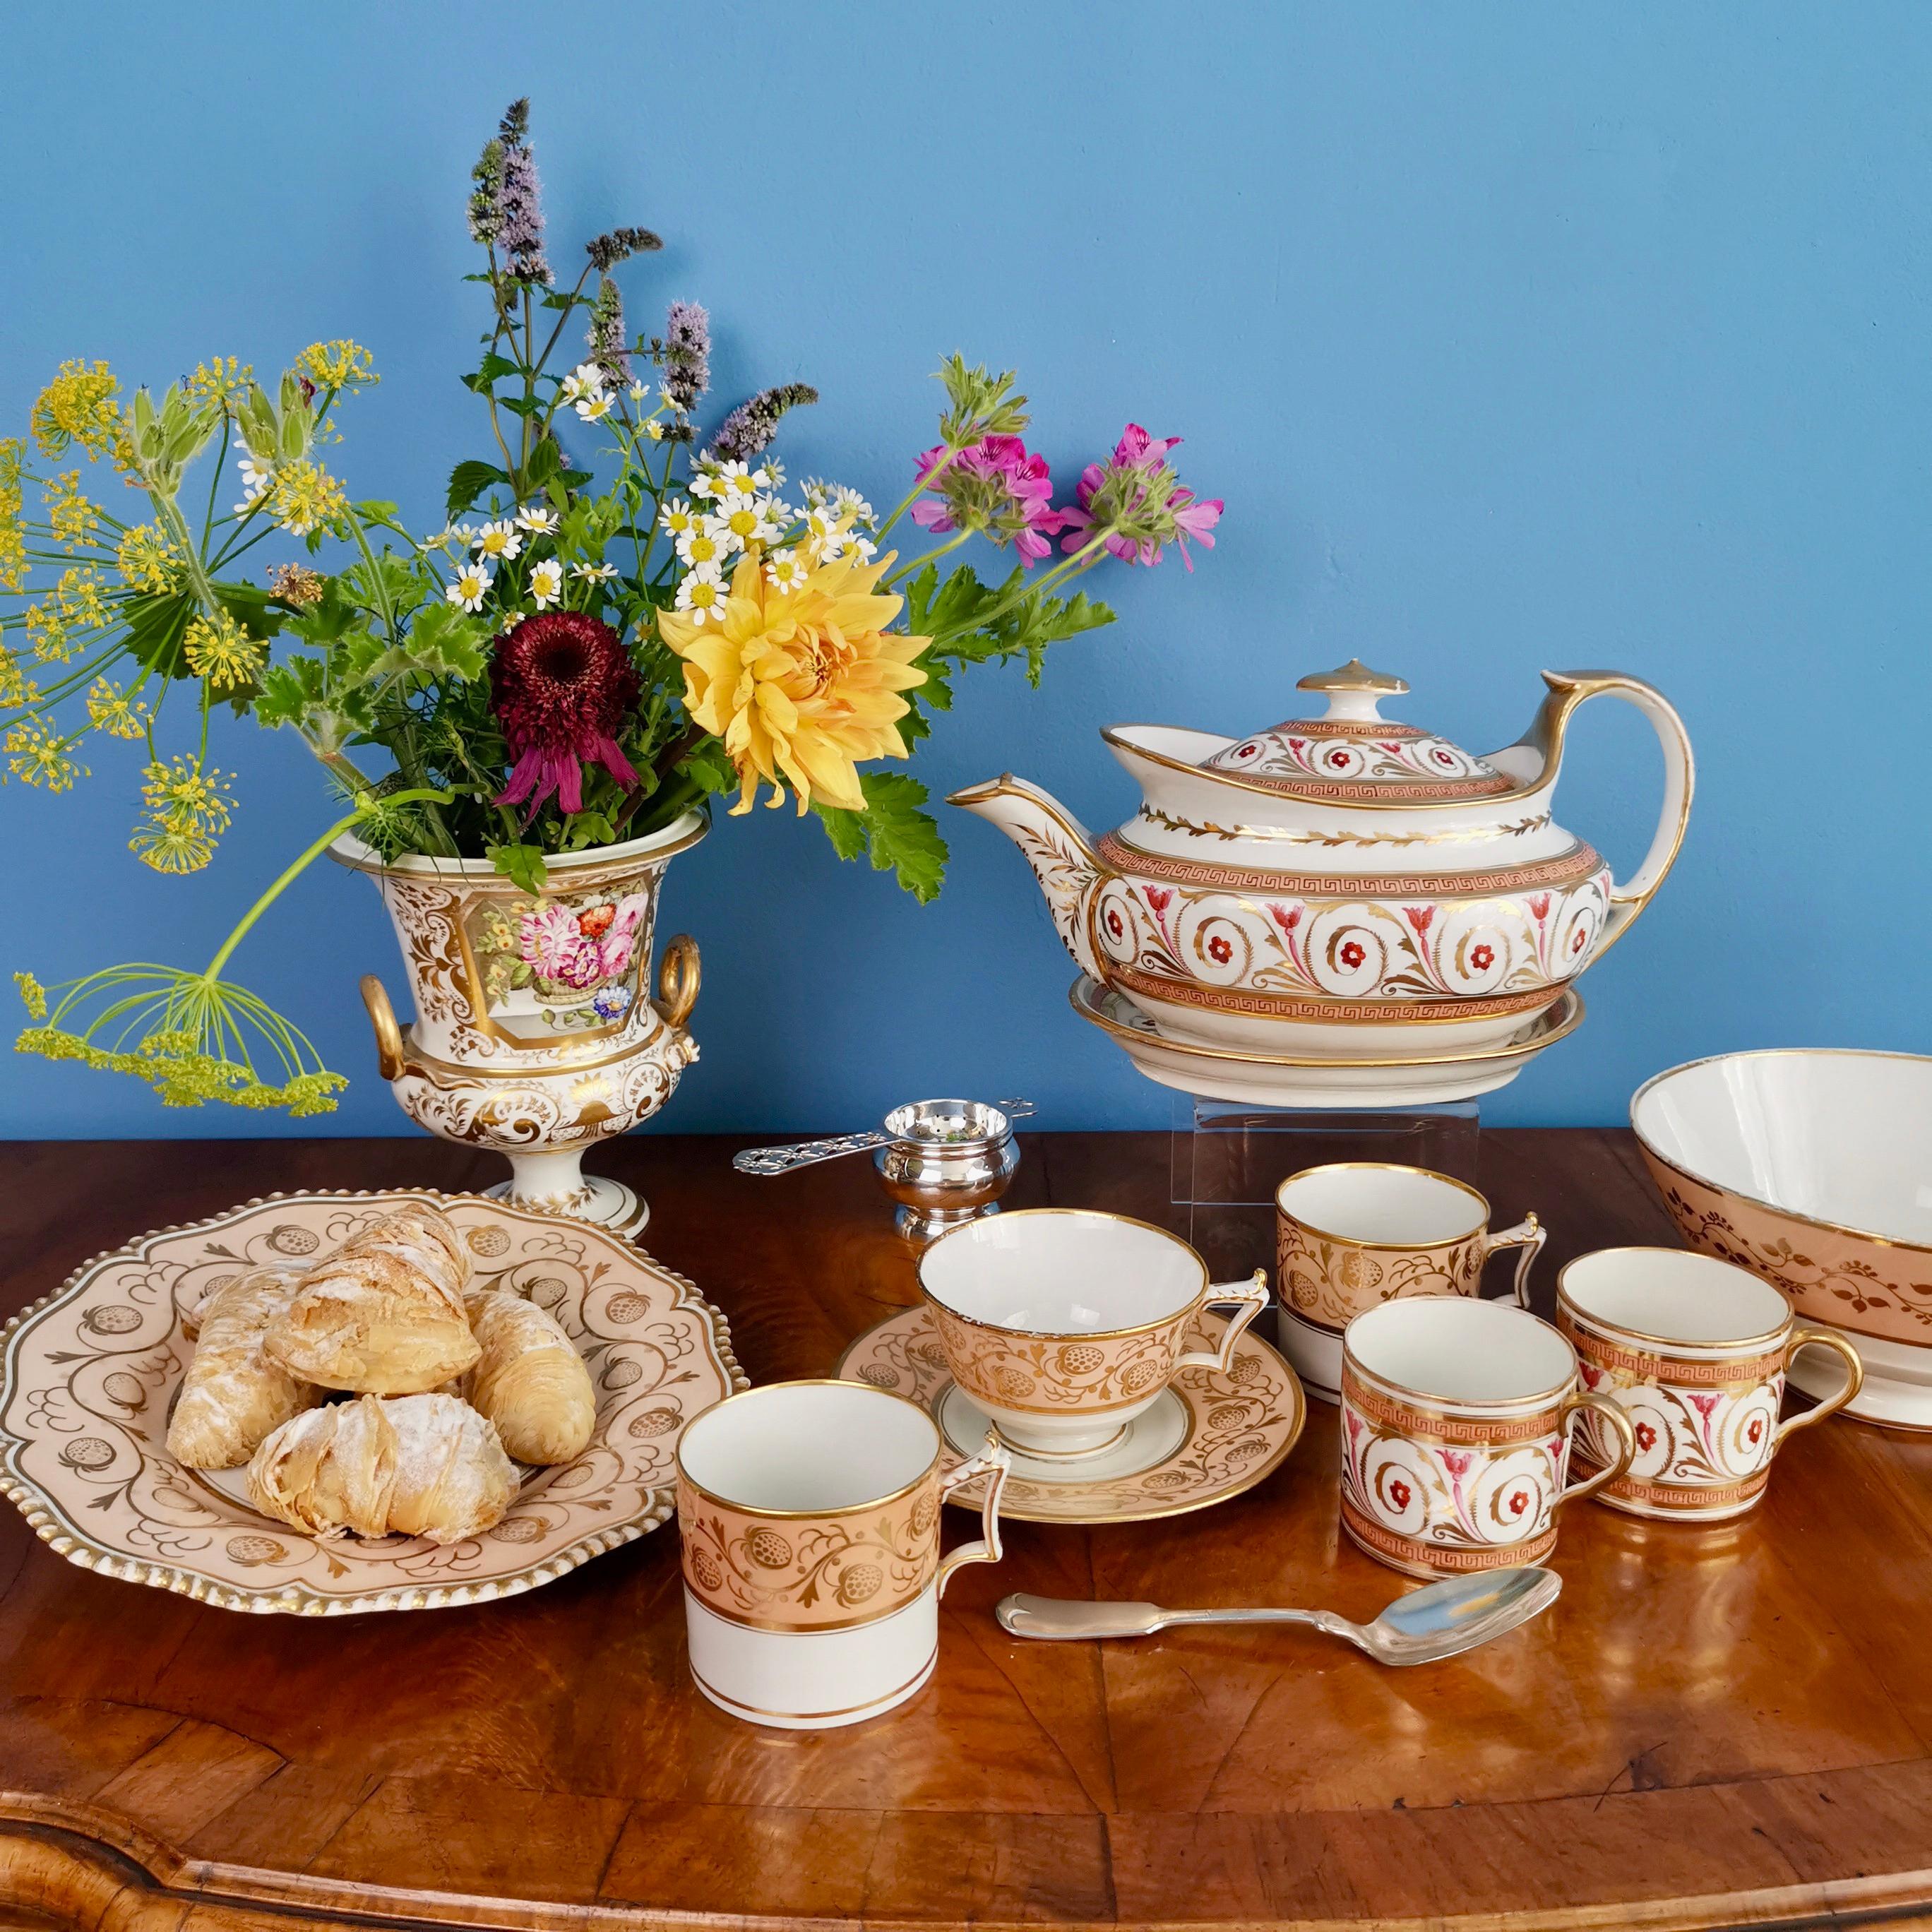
{"type": "Point", "coordinates": [1436, 1621]}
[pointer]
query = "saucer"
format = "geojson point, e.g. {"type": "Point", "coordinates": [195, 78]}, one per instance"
{"type": "Point", "coordinates": [1209, 1437]}
{"type": "Point", "coordinates": [1416, 1079]}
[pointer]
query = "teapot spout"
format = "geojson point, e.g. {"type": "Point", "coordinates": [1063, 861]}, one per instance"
{"type": "Point", "coordinates": [1057, 846]}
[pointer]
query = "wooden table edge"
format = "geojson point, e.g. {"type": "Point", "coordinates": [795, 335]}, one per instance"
{"type": "Point", "coordinates": [73, 1865]}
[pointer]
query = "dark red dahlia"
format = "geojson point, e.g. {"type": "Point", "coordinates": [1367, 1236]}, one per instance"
{"type": "Point", "coordinates": [561, 686]}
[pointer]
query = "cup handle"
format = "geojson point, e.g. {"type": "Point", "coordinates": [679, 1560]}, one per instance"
{"type": "Point", "coordinates": [1252, 1295]}
{"type": "Point", "coordinates": [993, 1462]}
{"type": "Point", "coordinates": [1854, 1377]}
{"type": "Point", "coordinates": [1529, 1234]}
{"type": "Point", "coordinates": [1612, 1412]}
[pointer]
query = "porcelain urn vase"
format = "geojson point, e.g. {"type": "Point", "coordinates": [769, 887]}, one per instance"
{"type": "Point", "coordinates": [535, 1034]}
{"type": "Point", "coordinates": [1343, 884]}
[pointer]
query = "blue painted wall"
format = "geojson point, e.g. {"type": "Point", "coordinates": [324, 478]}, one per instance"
{"type": "Point", "coordinates": [1514, 335]}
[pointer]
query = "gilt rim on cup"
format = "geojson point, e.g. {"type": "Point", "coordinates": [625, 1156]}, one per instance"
{"type": "Point", "coordinates": [1675, 1344]}
{"type": "Point", "coordinates": [1453, 1405]}
{"type": "Point", "coordinates": [1385, 1167]}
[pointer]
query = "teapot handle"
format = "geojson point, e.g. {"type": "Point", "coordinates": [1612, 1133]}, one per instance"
{"type": "Point", "coordinates": [1567, 690]}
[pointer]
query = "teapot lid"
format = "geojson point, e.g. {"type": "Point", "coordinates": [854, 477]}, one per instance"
{"type": "Point", "coordinates": [1352, 752]}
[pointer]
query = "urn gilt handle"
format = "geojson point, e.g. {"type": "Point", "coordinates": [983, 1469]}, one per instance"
{"type": "Point", "coordinates": [1567, 690]}
{"type": "Point", "coordinates": [678, 977]}
{"type": "Point", "coordinates": [389, 1061]}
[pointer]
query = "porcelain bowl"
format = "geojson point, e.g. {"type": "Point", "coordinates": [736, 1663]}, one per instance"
{"type": "Point", "coordinates": [1808, 1167]}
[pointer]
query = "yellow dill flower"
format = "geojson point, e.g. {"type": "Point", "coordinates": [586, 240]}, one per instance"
{"type": "Point", "coordinates": [33, 994]}
{"type": "Point", "coordinates": [16, 687]}
{"type": "Point", "coordinates": [219, 650]}
{"type": "Point", "coordinates": [111, 709]}
{"type": "Point", "coordinates": [13, 565]}
{"type": "Point", "coordinates": [37, 755]}
{"type": "Point", "coordinates": [78, 598]}
{"type": "Point", "coordinates": [147, 558]}
{"type": "Point", "coordinates": [337, 365]}
{"type": "Point", "coordinates": [223, 379]}
{"type": "Point", "coordinates": [185, 795]}
{"type": "Point", "coordinates": [73, 519]}
{"type": "Point", "coordinates": [171, 848]}
{"type": "Point", "coordinates": [296, 584]}
{"type": "Point", "coordinates": [78, 406]}
{"type": "Point", "coordinates": [304, 495]}
{"type": "Point", "coordinates": [49, 634]}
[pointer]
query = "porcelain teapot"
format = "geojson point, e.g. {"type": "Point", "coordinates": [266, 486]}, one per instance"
{"type": "Point", "coordinates": [1311, 887]}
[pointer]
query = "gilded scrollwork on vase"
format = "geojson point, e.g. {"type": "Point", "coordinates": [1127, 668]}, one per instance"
{"type": "Point", "coordinates": [1328, 1283]}
{"type": "Point", "coordinates": [1407, 948]}
{"type": "Point", "coordinates": [92, 1373]}
{"type": "Point", "coordinates": [1050, 1375]}
{"type": "Point", "coordinates": [1869, 1287]}
{"type": "Point", "coordinates": [1426, 1488]}
{"type": "Point", "coordinates": [812, 1572]}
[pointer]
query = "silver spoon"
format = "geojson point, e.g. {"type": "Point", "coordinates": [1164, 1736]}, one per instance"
{"type": "Point", "coordinates": [940, 1125]}
{"type": "Point", "coordinates": [1436, 1621]}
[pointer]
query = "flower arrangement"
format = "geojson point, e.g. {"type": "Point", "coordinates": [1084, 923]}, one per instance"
{"type": "Point", "coordinates": [620, 617]}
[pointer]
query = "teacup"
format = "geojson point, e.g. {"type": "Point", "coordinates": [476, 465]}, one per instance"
{"type": "Point", "coordinates": [809, 1516]}
{"type": "Point", "coordinates": [1695, 1350]}
{"type": "Point", "coordinates": [1063, 1323]}
{"type": "Point", "coordinates": [1350, 1236]}
{"type": "Point", "coordinates": [1455, 1434]}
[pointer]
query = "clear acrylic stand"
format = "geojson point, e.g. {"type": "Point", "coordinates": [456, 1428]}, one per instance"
{"type": "Point", "coordinates": [1229, 1158]}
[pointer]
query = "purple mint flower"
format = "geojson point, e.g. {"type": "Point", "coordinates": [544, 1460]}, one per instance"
{"type": "Point", "coordinates": [609, 347]}
{"type": "Point", "coordinates": [519, 201]}
{"type": "Point", "coordinates": [748, 430]}
{"type": "Point", "coordinates": [687, 354]}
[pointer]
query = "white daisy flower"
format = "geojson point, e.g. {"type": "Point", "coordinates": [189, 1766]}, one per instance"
{"type": "Point", "coordinates": [736, 479]}
{"type": "Point", "coordinates": [747, 520]}
{"type": "Point", "coordinates": [703, 485]}
{"type": "Point", "coordinates": [499, 540]}
{"type": "Point", "coordinates": [471, 586]}
{"type": "Point", "coordinates": [596, 573]}
{"type": "Point", "coordinates": [824, 532]}
{"type": "Point", "coordinates": [442, 537]}
{"type": "Point", "coordinates": [257, 479]}
{"type": "Point", "coordinates": [669, 401]}
{"type": "Point", "coordinates": [637, 392]}
{"type": "Point", "coordinates": [848, 502]}
{"type": "Point", "coordinates": [547, 583]}
{"type": "Point", "coordinates": [710, 543]}
{"type": "Point", "coordinates": [702, 594]}
{"type": "Point", "coordinates": [785, 571]}
{"type": "Point", "coordinates": [773, 472]}
{"type": "Point", "coordinates": [654, 430]}
{"type": "Point", "coordinates": [594, 409]}
{"type": "Point", "coordinates": [863, 548]}
{"type": "Point", "coordinates": [539, 521]}
{"type": "Point", "coordinates": [586, 379]}
{"type": "Point", "coordinates": [816, 490]}
{"type": "Point", "coordinates": [678, 517]}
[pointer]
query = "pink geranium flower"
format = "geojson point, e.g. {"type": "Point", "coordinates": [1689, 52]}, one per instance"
{"type": "Point", "coordinates": [993, 486]}
{"type": "Point", "coordinates": [1138, 501]}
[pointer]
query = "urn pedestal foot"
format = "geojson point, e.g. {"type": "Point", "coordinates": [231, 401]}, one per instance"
{"type": "Point", "coordinates": [556, 1184]}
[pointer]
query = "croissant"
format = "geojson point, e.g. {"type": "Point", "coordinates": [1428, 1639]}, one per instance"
{"type": "Point", "coordinates": [384, 1314]}
{"type": "Point", "coordinates": [233, 1394]}
{"type": "Point", "coordinates": [529, 1380]}
{"type": "Point", "coordinates": [426, 1465]}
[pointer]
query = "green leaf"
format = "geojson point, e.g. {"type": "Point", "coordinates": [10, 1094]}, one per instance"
{"type": "Point", "coordinates": [443, 639]}
{"type": "Point", "coordinates": [376, 510]}
{"type": "Point", "coordinates": [710, 765]}
{"type": "Point", "coordinates": [327, 618]}
{"type": "Point", "coordinates": [901, 838]}
{"type": "Point", "coordinates": [467, 481]}
{"type": "Point", "coordinates": [588, 828]}
{"type": "Point", "coordinates": [493, 366]}
{"type": "Point", "coordinates": [156, 626]}
{"type": "Point", "coordinates": [522, 864]}
{"type": "Point", "coordinates": [291, 691]}
{"type": "Point", "coordinates": [546, 461]}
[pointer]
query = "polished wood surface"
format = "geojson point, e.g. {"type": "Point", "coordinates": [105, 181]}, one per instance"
{"type": "Point", "coordinates": [1712, 1727]}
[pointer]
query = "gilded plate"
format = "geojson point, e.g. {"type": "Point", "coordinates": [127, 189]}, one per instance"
{"type": "Point", "coordinates": [1210, 1436]}
{"type": "Point", "coordinates": [89, 1375]}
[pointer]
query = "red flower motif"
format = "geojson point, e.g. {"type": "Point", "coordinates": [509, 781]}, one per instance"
{"type": "Point", "coordinates": [1219, 951]}
{"type": "Point", "coordinates": [1421, 917]}
{"type": "Point", "coordinates": [1287, 917]}
{"type": "Point", "coordinates": [1400, 1494]}
{"type": "Point", "coordinates": [1351, 955]}
{"type": "Point", "coordinates": [1114, 924]}
{"type": "Point", "coordinates": [1754, 1434]}
{"type": "Point", "coordinates": [1539, 906]}
{"type": "Point", "coordinates": [1335, 759]}
{"type": "Point", "coordinates": [1646, 1436]}
{"type": "Point", "coordinates": [1441, 757]}
{"type": "Point", "coordinates": [1159, 897]}
{"type": "Point", "coordinates": [1457, 1461]}
{"type": "Point", "coordinates": [1482, 957]}
{"type": "Point", "coordinates": [1577, 940]}
{"type": "Point", "coordinates": [1519, 1502]}
{"type": "Point", "coordinates": [596, 921]}
{"type": "Point", "coordinates": [562, 685]}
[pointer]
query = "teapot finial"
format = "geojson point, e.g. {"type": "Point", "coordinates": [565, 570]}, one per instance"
{"type": "Point", "coordinates": [1353, 690]}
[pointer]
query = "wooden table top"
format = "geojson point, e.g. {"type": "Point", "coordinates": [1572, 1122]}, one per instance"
{"type": "Point", "coordinates": [1712, 1727]}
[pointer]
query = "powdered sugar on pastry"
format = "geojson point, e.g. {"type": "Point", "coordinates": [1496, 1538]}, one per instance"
{"type": "Point", "coordinates": [384, 1315]}
{"type": "Point", "coordinates": [529, 1380]}
{"type": "Point", "coordinates": [233, 1394]}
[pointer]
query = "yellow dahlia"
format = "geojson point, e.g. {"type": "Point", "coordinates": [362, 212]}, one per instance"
{"type": "Point", "coordinates": [803, 682]}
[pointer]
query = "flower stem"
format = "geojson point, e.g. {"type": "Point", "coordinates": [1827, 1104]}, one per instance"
{"type": "Point", "coordinates": [288, 878]}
